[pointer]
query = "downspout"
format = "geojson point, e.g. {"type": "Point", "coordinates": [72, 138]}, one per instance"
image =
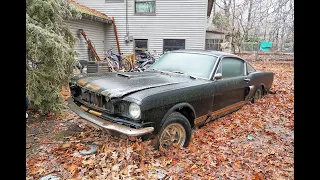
{"type": "Point", "coordinates": [116, 33]}
{"type": "Point", "coordinates": [127, 28]}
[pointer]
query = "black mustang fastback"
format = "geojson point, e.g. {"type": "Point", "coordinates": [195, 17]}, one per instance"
{"type": "Point", "coordinates": [184, 89]}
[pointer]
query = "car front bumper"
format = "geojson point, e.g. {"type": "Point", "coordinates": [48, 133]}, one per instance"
{"type": "Point", "coordinates": [92, 117]}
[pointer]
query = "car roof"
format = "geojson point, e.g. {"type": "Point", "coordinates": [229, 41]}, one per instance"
{"type": "Point", "coordinates": [208, 52]}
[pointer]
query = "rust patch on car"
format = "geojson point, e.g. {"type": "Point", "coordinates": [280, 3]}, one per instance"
{"type": "Point", "coordinates": [82, 82]}
{"type": "Point", "coordinates": [93, 87]}
{"type": "Point", "coordinates": [95, 113]}
{"type": "Point", "coordinates": [200, 119]}
{"type": "Point", "coordinates": [228, 108]}
{"type": "Point", "coordinates": [208, 117]}
{"type": "Point", "coordinates": [84, 108]}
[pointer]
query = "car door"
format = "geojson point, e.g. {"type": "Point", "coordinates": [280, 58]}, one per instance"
{"type": "Point", "coordinates": [231, 88]}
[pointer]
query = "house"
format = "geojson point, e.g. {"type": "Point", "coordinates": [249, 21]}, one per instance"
{"type": "Point", "coordinates": [214, 39]}
{"type": "Point", "coordinates": [160, 25]}
{"type": "Point", "coordinates": [94, 24]}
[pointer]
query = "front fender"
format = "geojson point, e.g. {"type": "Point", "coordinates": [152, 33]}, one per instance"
{"type": "Point", "coordinates": [174, 108]}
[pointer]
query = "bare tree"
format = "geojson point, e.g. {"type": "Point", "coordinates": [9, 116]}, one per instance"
{"type": "Point", "coordinates": [244, 20]}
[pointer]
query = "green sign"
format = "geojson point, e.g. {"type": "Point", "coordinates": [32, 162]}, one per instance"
{"type": "Point", "coordinates": [265, 46]}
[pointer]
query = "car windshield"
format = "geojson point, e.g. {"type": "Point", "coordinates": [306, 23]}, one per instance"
{"type": "Point", "coordinates": [197, 65]}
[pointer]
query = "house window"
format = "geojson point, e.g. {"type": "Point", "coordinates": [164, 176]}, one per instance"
{"type": "Point", "coordinates": [141, 45]}
{"type": "Point", "coordinates": [173, 44]}
{"type": "Point", "coordinates": [145, 6]}
{"type": "Point", "coordinates": [213, 44]}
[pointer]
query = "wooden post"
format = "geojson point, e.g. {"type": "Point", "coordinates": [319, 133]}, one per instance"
{"type": "Point", "coordinates": [257, 51]}
{"type": "Point", "coordinates": [116, 33]}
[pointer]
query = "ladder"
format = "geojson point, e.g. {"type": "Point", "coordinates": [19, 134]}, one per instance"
{"type": "Point", "coordinates": [92, 49]}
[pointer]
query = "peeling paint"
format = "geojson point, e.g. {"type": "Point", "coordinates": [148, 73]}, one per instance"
{"type": "Point", "coordinates": [82, 82]}
{"type": "Point", "coordinates": [93, 87]}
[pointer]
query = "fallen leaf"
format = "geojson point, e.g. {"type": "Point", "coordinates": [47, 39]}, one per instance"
{"type": "Point", "coordinates": [290, 169]}
{"type": "Point", "coordinates": [88, 162]}
{"type": "Point", "coordinates": [115, 168]}
{"type": "Point", "coordinates": [258, 176]}
{"type": "Point", "coordinates": [36, 116]}
{"type": "Point", "coordinates": [66, 145]}
{"type": "Point", "coordinates": [193, 167]}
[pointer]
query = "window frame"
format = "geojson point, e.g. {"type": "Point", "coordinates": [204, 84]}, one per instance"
{"type": "Point", "coordinates": [134, 45]}
{"type": "Point", "coordinates": [212, 43]}
{"type": "Point", "coordinates": [145, 13]}
{"type": "Point", "coordinates": [220, 66]}
{"type": "Point", "coordinates": [247, 73]}
{"type": "Point", "coordinates": [163, 46]}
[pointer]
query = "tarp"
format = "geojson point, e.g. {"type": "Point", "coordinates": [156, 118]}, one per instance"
{"type": "Point", "coordinates": [265, 45]}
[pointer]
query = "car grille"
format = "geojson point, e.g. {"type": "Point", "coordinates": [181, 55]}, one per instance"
{"type": "Point", "coordinates": [92, 98]}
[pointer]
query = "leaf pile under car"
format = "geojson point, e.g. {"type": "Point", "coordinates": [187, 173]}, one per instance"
{"type": "Point", "coordinates": [255, 142]}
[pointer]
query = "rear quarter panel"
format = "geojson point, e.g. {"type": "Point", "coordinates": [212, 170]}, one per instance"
{"type": "Point", "coordinates": [264, 78]}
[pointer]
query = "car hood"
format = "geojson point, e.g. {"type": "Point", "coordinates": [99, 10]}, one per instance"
{"type": "Point", "coordinates": [118, 84]}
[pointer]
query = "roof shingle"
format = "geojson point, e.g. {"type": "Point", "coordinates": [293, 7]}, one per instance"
{"type": "Point", "coordinates": [85, 10]}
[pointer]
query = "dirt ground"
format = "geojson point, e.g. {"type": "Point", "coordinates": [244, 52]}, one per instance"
{"type": "Point", "coordinates": [47, 130]}
{"type": "Point", "coordinates": [255, 142]}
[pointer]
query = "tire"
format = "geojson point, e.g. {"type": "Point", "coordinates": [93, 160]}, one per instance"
{"type": "Point", "coordinates": [176, 124]}
{"type": "Point", "coordinates": [258, 94]}
{"type": "Point", "coordinates": [127, 64]}
{"type": "Point", "coordinates": [113, 65]}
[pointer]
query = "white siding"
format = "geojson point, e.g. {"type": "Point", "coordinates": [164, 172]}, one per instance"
{"type": "Point", "coordinates": [211, 35]}
{"type": "Point", "coordinates": [174, 19]}
{"type": "Point", "coordinates": [94, 30]}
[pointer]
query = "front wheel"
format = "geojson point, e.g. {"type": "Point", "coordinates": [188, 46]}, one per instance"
{"type": "Point", "coordinates": [175, 130]}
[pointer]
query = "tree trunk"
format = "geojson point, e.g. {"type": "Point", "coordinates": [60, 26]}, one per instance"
{"type": "Point", "coordinates": [246, 33]}
{"type": "Point", "coordinates": [227, 8]}
{"type": "Point", "coordinates": [282, 30]}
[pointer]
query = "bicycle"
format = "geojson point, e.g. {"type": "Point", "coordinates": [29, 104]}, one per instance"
{"type": "Point", "coordinates": [114, 65]}
{"type": "Point", "coordinates": [121, 63]}
{"type": "Point", "coordinates": [145, 61]}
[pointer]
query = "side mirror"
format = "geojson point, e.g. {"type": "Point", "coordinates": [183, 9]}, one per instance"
{"type": "Point", "coordinates": [217, 76]}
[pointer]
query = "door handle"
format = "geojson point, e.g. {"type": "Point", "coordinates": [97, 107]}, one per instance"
{"type": "Point", "coordinates": [247, 79]}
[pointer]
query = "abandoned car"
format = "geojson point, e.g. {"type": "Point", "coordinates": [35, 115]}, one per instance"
{"type": "Point", "coordinates": [184, 89]}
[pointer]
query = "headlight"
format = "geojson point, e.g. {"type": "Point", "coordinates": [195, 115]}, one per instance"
{"type": "Point", "coordinates": [134, 110]}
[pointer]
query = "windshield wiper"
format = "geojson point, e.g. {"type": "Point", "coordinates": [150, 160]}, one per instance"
{"type": "Point", "coordinates": [151, 69]}
{"type": "Point", "coordinates": [179, 72]}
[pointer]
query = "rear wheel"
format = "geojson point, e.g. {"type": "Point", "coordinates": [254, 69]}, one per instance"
{"type": "Point", "coordinates": [175, 130]}
{"type": "Point", "coordinates": [258, 94]}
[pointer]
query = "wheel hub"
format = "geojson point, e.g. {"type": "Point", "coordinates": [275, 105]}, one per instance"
{"type": "Point", "coordinates": [173, 134]}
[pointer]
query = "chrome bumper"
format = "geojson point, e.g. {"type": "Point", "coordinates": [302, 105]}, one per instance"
{"type": "Point", "coordinates": [106, 124]}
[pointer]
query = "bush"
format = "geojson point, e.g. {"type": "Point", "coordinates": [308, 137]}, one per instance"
{"type": "Point", "coordinates": [49, 52]}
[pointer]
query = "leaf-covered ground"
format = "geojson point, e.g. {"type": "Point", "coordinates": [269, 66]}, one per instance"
{"type": "Point", "coordinates": [255, 142]}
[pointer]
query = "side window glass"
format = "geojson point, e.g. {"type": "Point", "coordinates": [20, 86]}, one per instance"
{"type": "Point", "coordinates": [250, 69]}
{"type": "Point", "coordinates": [232, 67]}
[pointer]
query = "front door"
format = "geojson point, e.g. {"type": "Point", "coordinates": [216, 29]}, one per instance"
{"type": "Point", "coordinates": [230, 89]}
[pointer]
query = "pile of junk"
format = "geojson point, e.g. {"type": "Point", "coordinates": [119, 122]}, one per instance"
{"type": "Point", "coordinates": [113, 62]}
